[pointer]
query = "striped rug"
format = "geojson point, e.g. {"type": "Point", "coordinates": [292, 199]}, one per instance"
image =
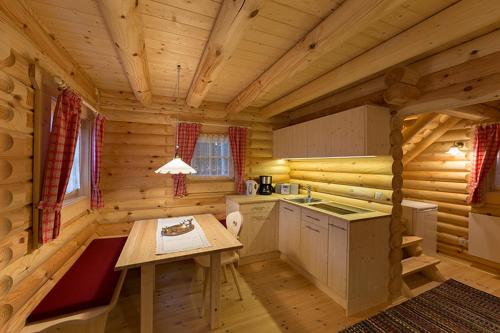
{"type": "Point", "coordinates": [450, 307]}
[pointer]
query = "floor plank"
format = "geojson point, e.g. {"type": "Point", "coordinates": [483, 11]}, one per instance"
{"type": "Point", "coordinates": [275, 299]}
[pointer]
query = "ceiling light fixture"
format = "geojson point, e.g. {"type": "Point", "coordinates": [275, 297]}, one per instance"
{"type": "Point", "coordinates": [455, 149]}
{"type": "Point", "coordinates": [177, 165]}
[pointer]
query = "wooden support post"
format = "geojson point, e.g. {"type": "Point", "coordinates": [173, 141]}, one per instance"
{"type": "Point", "coordinates": [396, 226]}
{"type": "Point", "coordinates": [401, 86]}
{"type": "Point", "coordinates": [215, 261]}
{"type": "Point", "coordinates": [36, 82]}
{"type": "Point", "coordinates": [147, 297]}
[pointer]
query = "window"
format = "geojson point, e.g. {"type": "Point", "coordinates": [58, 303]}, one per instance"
{"type": "Point", "coordinates": [79, 180]}
{"type": "Point", "coordinates": [212, 156]}
{"type": "Point", "coordinates": [495, 183]}
{"type": "Point", "coordinates": [74, 178]}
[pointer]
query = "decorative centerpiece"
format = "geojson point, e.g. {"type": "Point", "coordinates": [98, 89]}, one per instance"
{"type": "Point", "coordinates": [178, 229]}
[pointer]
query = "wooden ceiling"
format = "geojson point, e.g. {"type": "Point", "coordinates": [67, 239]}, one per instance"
{"type": "Point", "coordinates": [177, 31]}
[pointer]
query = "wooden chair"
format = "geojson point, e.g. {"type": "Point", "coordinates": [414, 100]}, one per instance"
{"type": "Point", "coordinates": [234, 222]}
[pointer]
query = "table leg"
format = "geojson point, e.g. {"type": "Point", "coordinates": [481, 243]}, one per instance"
{"type": "Point", "coordinates": [215, 260]}
{"type": "Point", "coordinates": [147, 293]}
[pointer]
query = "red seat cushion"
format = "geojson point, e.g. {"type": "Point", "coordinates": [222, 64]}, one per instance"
{"type": "Point", "coordinates": [89, 283]}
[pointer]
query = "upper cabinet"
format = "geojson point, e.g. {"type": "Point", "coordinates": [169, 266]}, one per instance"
{"type": "Point", "coordinates": [362, 131]}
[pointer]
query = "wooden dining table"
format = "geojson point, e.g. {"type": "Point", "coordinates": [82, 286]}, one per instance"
{"type": "Point", "coordinates": [140, 251]}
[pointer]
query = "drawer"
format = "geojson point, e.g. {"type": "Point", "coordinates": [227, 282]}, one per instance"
{"type": "Point", "coordinates": [314, 217]}
{"type": "Point", "coordinates": [258, 209]}
{"type": "Point", "coordinates": [339, 223]}
{"type": "Point", "coordinates": [290, 208]}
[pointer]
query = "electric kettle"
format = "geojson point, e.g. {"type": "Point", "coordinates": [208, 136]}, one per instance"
{"type": "Point", "coordinates": [251, 187]}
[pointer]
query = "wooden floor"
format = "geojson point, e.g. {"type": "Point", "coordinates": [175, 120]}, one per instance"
{"type": "Point", "coordinates": [276, 299]}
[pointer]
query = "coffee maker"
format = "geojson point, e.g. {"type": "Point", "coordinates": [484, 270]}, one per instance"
{"type": "Point", "coordinates": [265, 187]}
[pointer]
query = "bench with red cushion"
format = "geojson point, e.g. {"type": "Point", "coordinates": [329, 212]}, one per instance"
{"type": "Point", "coordinates": [89, 283]}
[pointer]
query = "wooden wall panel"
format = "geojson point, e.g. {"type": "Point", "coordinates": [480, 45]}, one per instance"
{"type": "Point", "coordinates": [26, 276]}
{"type": "Point", "coordinates": [437, 177]}
{"type": "Point", "coordinates": [134, 147]}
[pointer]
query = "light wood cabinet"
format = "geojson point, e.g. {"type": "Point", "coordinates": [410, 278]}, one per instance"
{"type": "Point", "coordinates": [259, 233]}
{"type": "Point", "coordinates": [347, 260]}
{"type": "Point", "coordinates": [314, 249]}
{"type": "Point", "coordinates": [337, 258]}
{"type": "Point", "coordinates": [358, 265]}
{"type": "Point", "coordinates": [362, 131]}
{"type": "Point", "coordinates": [289, 231]}
{"type": "Point", "coordinates": [291, 141]}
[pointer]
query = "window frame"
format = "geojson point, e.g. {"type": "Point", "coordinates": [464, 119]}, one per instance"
{"type": "Point", "coordinates": [76, 203]}
{"type": "Point", "coordinates": [198, 176]}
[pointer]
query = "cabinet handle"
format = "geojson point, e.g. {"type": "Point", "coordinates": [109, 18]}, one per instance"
{"type": "Point", "coordinates": [288, 209]}
{"type": "Point", "coordinates": [310, 228]}
{"type": "Point", "coordinates": [335, 226]}
{"type": "Point", "coordinates": [258, 208]}
{"type": "Point", "coordinates": [314, 218]}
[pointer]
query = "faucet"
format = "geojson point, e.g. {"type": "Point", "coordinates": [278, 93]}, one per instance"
{"type": "Point", "coordinates": [308, 187]}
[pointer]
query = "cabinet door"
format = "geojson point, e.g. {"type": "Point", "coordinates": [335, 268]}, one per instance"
{"type": "Point", "coordinates": [348, 132]}
{"type": "Point", "coordinates": [298, 140]}
{"type": "Point", "coordinates": [293, 236]}
{"type": "Point", "coordinates": [289, 219]}
{"type": "Point", "coordinates": [314, 250]}
{"type": "Point", "coordinates": [319, 138]}
{"type": "Point", "coordinates": [280, 144]}
{"type": "Point", "coordinates": [259, 229]}
{"type": "Point", "coordinates": [337, 257]}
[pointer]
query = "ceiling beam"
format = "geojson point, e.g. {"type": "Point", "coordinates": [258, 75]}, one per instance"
{"type": "Point", "coordinates": [345, 22]}
{"type": "Point", "coordinates": [451, 24]}
{"type": "Point", "coordinates": [473, 49]}
{"type": "Point", "coordinates": [487, 112]}
{"type": "Point", "coordinates": [430, 139]}
{"type": "Point", "coordinates": [422, 122]}
{"type": "Point", "coordinates": [476, 91]}
{"type": "Point", "coordinates": [124, 22]}
{"type": "Point", "coordinates": [478, 112]}
{"type": "Point", "coordinates": [20, 28]}
{"type": "Point", "coordinates": [232, 21]}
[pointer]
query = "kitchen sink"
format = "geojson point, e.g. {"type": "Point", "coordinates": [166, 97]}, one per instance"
{"type": "Point", "coordinates": [339, 209]}
{"type": "Point", "coordinates": [305, 200]}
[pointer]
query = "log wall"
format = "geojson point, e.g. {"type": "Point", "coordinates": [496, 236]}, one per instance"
{"type": "Point", "coordinates": [26, 276]}
{"type": "Point", "coordinates": [437, 177]}
{"type": "Point", "coordinates": [139, 139]}
{"type": "Point", "coordinates": [363, 182]}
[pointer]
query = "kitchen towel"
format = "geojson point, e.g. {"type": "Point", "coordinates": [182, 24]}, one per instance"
{"type": "Point", "coordinates": [192, 240]}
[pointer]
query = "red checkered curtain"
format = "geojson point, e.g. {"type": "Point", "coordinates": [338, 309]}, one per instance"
{"type": "Point", "coordinates": [58, 163]}
{"type": "Point", "coordinates": [187, 135]}
{"type": "Point", "coordinates": [485, 150]}
{"type": "Point", "coordinates": [238, 142]}
{"type": "Point", "coordinates": [97, 137]}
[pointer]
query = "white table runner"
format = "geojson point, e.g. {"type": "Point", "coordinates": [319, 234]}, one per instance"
{"type": "Point", "coordinates": [192, 240]}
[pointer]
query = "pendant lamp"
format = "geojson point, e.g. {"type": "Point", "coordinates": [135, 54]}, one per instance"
{"type": "Point", "coordinates": [177, 165]}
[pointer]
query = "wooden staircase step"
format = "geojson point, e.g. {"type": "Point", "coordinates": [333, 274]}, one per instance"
{"type": "Point", "coordinates": [416, 264]}
{"type": "Point", "coordinates": [410, 240]}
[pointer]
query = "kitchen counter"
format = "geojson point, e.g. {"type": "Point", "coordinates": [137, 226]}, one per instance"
{"type": "Point", "coordinates": [247, 199]}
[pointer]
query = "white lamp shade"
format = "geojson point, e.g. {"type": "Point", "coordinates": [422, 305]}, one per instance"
{"type": "Point", "coordinates": [175, 167]}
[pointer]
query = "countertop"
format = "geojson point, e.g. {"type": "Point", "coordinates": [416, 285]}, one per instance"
{"type": "Point", "coordinates": [249, 199]}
